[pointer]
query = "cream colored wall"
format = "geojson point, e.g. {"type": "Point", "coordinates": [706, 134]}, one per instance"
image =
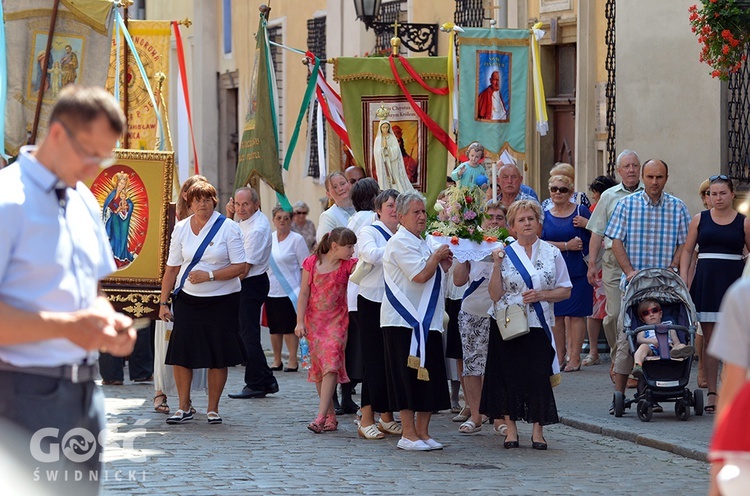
{"type": "Point", "coordinates": [292, 15]}
{"type": "Point", "coordinates": [668, 106]}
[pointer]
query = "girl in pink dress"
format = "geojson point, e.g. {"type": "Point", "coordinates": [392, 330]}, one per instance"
{"type": "Point", "coordinates": [323, 316]}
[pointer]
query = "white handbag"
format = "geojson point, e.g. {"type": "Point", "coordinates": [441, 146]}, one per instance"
{"type": "Point", "coordinates": [511, 321]}
{"type": "Point", "coordinates": [360, 271]}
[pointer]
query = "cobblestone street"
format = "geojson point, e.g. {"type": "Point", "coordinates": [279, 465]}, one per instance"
{"type": "Point", "coordinates": [263, 447]}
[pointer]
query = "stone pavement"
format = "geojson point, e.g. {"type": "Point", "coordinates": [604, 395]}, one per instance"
{"type": "Point", "coordinates": [263, 447]}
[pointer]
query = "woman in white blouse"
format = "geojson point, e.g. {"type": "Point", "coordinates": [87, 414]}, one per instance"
{"type": "Point", "coordinates": [288, 251]}
{"type": "Point", "coordinates": [371, 241]}
{"type": "Point", "coordinates": [518, 371]}
{"type": "Point", "coordinates": [206, 307]}
{"type": "Point", "coordinates": [415, 375]}
{"type": "Point", "coordinates": [337, 189]}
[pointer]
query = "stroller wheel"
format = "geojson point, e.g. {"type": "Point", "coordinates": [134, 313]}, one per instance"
{"type": "Point", "coordinates": [682, 409]}
{"type": "Point", "coordinates": [698, 402]}
{"type": "Point", "coordinates": [645, 411]}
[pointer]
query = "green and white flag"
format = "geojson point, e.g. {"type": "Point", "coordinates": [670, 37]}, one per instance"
{"type": "Point", "coordinates": [259, 147]}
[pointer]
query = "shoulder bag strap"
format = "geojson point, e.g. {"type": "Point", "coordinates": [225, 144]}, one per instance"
{"type": "Point", "coordinates": [513, 257]}
{"type": "Point", "coordinates": [199, 252]}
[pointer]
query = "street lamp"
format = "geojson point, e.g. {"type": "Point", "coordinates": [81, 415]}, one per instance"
{"type": "Point", "coordinates": [415, 37]}
{"type": "Point", "coordinates": [367, 11]}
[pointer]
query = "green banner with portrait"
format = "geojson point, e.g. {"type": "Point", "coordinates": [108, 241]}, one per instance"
{"type": "Point", "coordinates": [367, 83]}
{"type": "Point", "coordinates": [494, 65]}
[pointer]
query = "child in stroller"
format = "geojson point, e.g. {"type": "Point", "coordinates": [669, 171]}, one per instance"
{"type": "Point", "coordinates": [650, 313]}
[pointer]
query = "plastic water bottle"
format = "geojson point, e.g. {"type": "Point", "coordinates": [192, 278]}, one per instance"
{"type": "Point", "coordinates": [304, 353]}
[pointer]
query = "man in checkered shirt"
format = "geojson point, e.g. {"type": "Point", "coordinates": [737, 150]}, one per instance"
{"type": "Point", "coordinates": [648, 229]}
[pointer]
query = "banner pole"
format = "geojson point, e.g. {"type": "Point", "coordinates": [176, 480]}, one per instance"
{"type": "Point", "coordinates": [42, 70]}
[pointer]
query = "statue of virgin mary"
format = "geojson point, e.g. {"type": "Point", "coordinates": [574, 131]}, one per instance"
{"type": "Point", "coordinates": [389, 163]}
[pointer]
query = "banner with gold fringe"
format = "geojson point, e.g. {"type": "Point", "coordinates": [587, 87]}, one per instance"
{"type": "Point", "coordinates": [151, 40]}
{"type": "Point", "coordinates": [369, 82]}
{"type": "Point", "coordinates": [495, 65]}
{"type": "Point", "coordinates": [79, 54]}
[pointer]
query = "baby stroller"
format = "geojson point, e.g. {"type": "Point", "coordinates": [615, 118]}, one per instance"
{"type": "Point", "coordinates": [664, 379]}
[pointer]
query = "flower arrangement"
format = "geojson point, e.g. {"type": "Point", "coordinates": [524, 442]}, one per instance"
{"type": "Point", "coordinates": [722, 29]}
{"type": "Point", "coordinates": [461, 217]}
{"type": "Point", "coordinates": [378, 52]}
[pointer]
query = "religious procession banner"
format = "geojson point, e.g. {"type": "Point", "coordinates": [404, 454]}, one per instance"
{"type": "Point", "coordinates": [494, 67]}
{"type": "Point", "coordinates": [367, 83]}
{"type": "Point", "coordinates": [79, 54]}
{"type": "Point", "coordinates": [259, 147]}
{"type": "Point", "coordinates": [151, 40]}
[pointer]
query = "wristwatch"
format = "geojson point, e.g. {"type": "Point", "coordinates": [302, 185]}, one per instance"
{"type": "Point", "coordinates": [211, 275]}
{"type": "Point", "coordinates": [501, 255]}
{"type": "Point", "coordinates": [164, 303]}
{"type": "Point", "coordinates": [674, 269]}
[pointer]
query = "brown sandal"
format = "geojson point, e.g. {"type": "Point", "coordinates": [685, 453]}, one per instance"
{"type": "Point", "coordinates": [161, 407]}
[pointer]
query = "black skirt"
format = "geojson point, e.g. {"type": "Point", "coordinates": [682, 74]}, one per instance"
{"type": "Point", "coordinates": [517, 378]}
{"type": "Point", "coordinates": [280, 314]}
{"type": "Point", "coordinates": [374, 387]}
{"type": "Point", "coordinates": [353, 350]}
{"type": "Point", "coordinates": [206, 332]}
{"type": "Point", "coordinates": [453, 348]}
{"type": "Point", "coordinates": [405, 391]}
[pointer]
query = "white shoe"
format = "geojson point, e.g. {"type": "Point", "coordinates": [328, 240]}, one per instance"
{"type": "Point", "coordinates": [408, 445]}
{"type": "Point", "coordinates": [390, 427]}
{"type": "Point", "coordinates": [434, 445]}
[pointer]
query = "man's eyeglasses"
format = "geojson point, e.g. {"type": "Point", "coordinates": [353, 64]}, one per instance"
{"type": "Point", "coordinates": [650, 311]}
{"type": "Point", "coordinates": [85, 157]}
{"type": "Point", "coordinates": [561, 189]}
{"type": "Point", "coordinates": [301, 213]}
{"type": "Point", "coordinates": [723, 177]}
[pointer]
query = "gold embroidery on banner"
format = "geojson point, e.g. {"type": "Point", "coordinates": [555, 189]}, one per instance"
{"type": "Point", "coordinates": [492, 42]}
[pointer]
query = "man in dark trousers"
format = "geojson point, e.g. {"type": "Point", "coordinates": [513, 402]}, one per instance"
{"type": "Point", "coordinates": [256, 234]}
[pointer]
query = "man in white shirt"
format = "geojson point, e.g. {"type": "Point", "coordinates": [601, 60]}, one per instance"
{"type": "Point", "coordinates": [53, 319]}
{"type": "Point", "coordinates": [256, 235]}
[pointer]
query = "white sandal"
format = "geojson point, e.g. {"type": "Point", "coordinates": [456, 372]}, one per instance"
{"type": "Point", "coordinates": [390, 427]}
{"type": "Point", "coordinates": [370, 432]}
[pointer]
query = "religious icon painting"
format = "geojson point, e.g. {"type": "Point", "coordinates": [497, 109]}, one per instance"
{"type": "Point", "coordinates": [493, 88]}
{"type": "Point", "coordinates": [134, 196]}
{"type": "Point", "coordinates": [62, 68]}
{"type": "Point", "coordinates": [408, 130]}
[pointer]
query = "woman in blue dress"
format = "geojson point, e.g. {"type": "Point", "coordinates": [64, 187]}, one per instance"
{"type": "Point", "coordinates": [565, 228]}
{"type": "Point", "coordinates": [116, 214]}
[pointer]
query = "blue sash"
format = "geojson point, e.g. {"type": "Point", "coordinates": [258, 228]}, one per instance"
{"type": "Point", "coordinates": [199, 252]}
{"type": "Point", "coordinates": [283, 282]}
{"type": "Point", "coordinates": [382, 231]}
{"type": "Point", "coordinates": [473, 287]}
{"type": "Point", "coordinates": [420, 335]}
{"type": "Point", "coordinates": [513, 257]}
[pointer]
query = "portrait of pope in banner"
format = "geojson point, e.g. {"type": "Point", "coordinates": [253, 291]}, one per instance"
{"type": "Point", "coordinates": [493, 86]}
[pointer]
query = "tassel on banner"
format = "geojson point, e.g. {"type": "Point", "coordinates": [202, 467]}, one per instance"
{"type": "Point", "coordinates": [540, 106]}
{"type": "Point", "coordinates": [555, 379]}
{"type": "Point", "coordinates": [422, 374]}
{"type": "Point", "coordinates": [413, 362]}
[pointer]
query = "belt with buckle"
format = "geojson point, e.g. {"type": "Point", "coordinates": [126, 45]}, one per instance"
{"type": "Point", "coordinates": [75, 373]}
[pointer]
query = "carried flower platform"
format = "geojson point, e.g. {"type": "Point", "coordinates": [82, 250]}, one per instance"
{"type": "Point", "coordinates": [459, 225]}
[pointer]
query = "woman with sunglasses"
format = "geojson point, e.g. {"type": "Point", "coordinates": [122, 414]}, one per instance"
{"type": "Point", "coordinates": [303, 226]}
{"type": "Point", "coordinates": [565, 228]}
{"type": "Point", "coordinates": [721, 234]}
